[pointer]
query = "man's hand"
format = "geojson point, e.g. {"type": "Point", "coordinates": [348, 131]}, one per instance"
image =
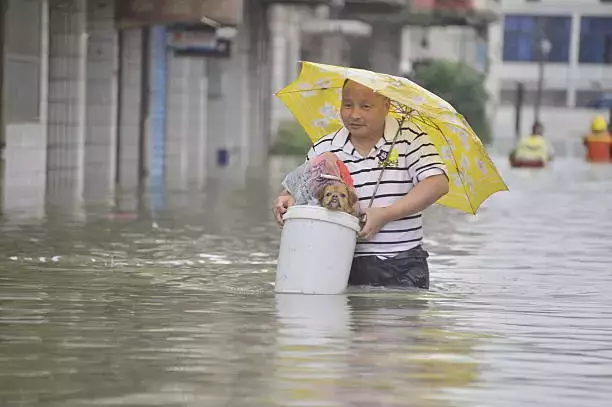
{"type": "Point", "coordinates": [284, 201]}
{"type": "Point", "coordinates": [375, 219]}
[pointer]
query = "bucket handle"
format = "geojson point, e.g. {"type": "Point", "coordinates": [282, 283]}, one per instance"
{"type": "Point", "coordinates": [363, 219]}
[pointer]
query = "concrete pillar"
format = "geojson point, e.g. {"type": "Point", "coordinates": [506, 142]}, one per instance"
{"type": "Point", "coordinates": [101, 116]}
{"type": "Point", "coordinates": [23, 176]}
{"type": "Point", "coordinates": [285, 51]}
{"type": "Point", "coordinates": [3, 99]}
{"type": "Point", "coordinates": [333, 46]}
{"type": "Point", "coordinates": [130, 81]}
{"type": "Point", "coordinates": [385, 48]}
{"type": "Point", "coordinates": [67, 101]}
{"type": "Point", "coordinates": [493, 82]}
{"type": "Point", "coordinates": [333, 49]}
{"type": "Point", "coordinates": [239, 104]}
{"type": "Point", "coordinates": [407, 50]}
{"type": "Point", "coordinates": [219, 107]}
{"type": "Point", "coordinates": [155, 121]}
{"type": "Point", "coordinates": [256, 133]}
{"type": "Point", "coordinates": [573, 60]}
{"type": "Point", "coordinates": [45, 59]}
{"type": "Point", "coordinates": [278, 54]}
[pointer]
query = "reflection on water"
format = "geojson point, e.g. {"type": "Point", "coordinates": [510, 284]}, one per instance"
{"type": "Point", "coordinates": [175, 306]}
{"type": "Point", "coordinates": [368, 349]}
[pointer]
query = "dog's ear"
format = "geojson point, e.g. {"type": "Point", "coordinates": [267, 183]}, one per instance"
{"type": "Point", "coordinates": [353, 201]}
{"type": "Point", "coordinates": [352, 196]}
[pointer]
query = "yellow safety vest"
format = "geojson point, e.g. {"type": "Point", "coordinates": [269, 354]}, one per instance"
{"type": "Point", "coordinates": [532, 148]}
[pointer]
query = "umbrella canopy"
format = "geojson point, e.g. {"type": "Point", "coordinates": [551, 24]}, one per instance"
{"type": "Point", "coordinates": [314, 99]}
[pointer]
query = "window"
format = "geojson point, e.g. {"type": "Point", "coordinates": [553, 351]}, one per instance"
{"type": "Point", "coordinates": [523, 33]}
{"type": "Point", "coordinates": [596, 40]}
{"type": "Point", "coordinates": [589, 98]}
{"type": "Point", "coordinates": [550, 97]}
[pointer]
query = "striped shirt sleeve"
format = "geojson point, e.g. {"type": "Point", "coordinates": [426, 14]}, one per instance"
{"type": "Point", "coordinates": [425, 162]}
{"type": "Point", "coordinates": [319, 147]}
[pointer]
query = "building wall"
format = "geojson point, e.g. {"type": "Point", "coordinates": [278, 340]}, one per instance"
{"type": "Point", "coordinates": [385, 48]}
{"type": "Point", "coordinates": [24, 170]}
{"type": "Point", "coordinates": [77, 128]}
{"type": "Point", "coordinates": [260, 98]}
{"type": "Point", "coordinates": [101, 115]}
{"type": "Point", "coordinates": [285, 47]}
{"type": "Point", "coordinates": [67, 90]}
{"type": "Point", "coordinates": [25, 85]}
{"type": "Point", "coordinates": [240, 98]}
{"type": "Point", "coordinates": [130, 80]}
{"type": "Point", "coordinates": [61, 120]}
{"type": "Point", "coordinates": [453, 43]}
{"type": "Point", "coordinates": [568, 84]}
{"type": "Point", "coordinates": [186, 128]}
{"type": "Point", "coordinates": [156, 119]}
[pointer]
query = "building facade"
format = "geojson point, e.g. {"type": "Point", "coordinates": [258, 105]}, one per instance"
{"type": "Point", "coordinates": [574, 40]}
{"type": "Point", "coordinates": [453, 30]}
{"type": "Point", "coordinates": [98, 100]}
{"type": "Point", "coordinates": [380, 35]}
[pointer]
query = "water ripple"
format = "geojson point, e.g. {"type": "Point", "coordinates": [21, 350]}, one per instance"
{"type": "Point", "coordinates": [178, 309]}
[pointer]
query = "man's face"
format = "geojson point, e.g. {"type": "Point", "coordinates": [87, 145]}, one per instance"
{"type": "Point", "coordinates": [363, 112]}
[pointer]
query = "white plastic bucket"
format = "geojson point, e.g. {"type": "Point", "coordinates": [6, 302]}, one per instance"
{"type": "Point", "coordinates": [316, 251]}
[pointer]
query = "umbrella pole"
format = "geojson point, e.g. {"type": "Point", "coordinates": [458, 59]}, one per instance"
{"type": "Point", "coordinates": [399, 130]}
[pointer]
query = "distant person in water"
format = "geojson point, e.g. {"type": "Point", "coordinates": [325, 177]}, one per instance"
{"type": "Point", "coordinates": [598, 142]}
{"type": "Point", "coordinates": [599, 130]}
{"type": "Point", "coordinates": [534, 147]}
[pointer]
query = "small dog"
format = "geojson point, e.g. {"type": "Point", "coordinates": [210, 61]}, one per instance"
{"type": "Point", "coordinates": [336, 196]}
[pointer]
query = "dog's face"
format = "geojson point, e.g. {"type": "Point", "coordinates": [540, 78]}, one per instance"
{"type": "Point", "coordinates": [337, 197]}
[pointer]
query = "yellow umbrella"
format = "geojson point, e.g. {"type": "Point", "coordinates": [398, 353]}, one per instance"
{"type": "Point", "coordinates": [314, 99]}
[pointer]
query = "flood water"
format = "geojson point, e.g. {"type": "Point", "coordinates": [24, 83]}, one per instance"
{"type": "Point", "coordinates": [175, 307]}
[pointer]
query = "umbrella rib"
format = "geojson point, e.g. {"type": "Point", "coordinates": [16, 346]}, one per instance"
{"type": "Point", "coordinates": [408, 112]}
{"type": "Point", "coordinates": [434, 124]}
{"type": "Point", "coordinates": [284, 92]}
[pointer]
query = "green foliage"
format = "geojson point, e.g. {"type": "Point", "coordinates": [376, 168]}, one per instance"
{"type": "Point", "coordinates": [291, 140]}
{"type": "Point", "coordinates": [463, 87]}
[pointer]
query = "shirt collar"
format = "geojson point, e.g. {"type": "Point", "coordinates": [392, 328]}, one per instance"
{"type": "Point", "coordinates": [391, 127]}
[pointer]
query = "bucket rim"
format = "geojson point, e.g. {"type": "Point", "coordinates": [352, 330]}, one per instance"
{"type": "Point", "coordinates": [322, 214]}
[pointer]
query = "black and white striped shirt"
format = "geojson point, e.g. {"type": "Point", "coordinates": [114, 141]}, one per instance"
{"type": "Point", "coordinates": [413, 159]}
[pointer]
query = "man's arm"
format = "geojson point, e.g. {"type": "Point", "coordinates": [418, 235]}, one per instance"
{"type": "Point", "coordinates": [284, 199]}
{"type": "Point", "coordinates": [430, 178]}
{"type": "Point", "coordinates": [423, 195]}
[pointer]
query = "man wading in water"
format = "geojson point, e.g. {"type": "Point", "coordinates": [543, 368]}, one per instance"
{"type": "Point", "coordinates": [389, 251]}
